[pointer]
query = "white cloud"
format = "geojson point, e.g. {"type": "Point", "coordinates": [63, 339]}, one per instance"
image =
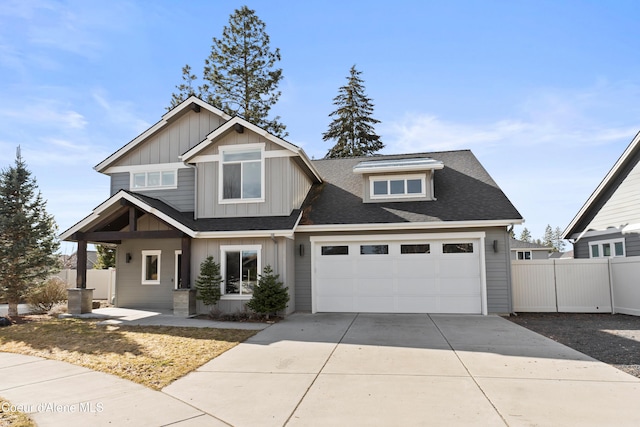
{"type": "Point", "coordinates": [119, 113]}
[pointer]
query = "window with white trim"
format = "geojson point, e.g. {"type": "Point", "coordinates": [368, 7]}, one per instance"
{"type": "Point", "coordinates": [606, 248]}
{"type": "Point", "coordinates": [151, 267]}
{"type": "Point", "coordinates": [397, 186]}
{"type": "Point", "coordinates": [524, 255]}
{"type": "Point", "coordinates": [154, 180]}
{"type": "Point", "coordinates": [241, 266]}
{"type": "Point", "coordinates": [242, 173]}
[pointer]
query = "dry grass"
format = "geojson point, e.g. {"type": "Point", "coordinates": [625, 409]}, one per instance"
{"type": "Point", "coordinates": [9, 417]}
{"type": "Point", "coordinates": [153, 356]}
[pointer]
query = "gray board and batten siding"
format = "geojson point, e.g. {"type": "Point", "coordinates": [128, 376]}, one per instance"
{"type": "Point", "coordinates": [498, 265]}
{"type": "Point", "coordinates": [631, 243]}
{"type": "Point", "coordinates": [286, 184]}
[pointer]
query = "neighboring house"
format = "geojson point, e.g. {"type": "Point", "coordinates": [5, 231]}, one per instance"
{"type": "Point", "coordinates": [71, 261]}
{"type": "Point", "coordinates": [609, 222]}
{"type": "Point", "coordinates": [526, 250]}
{"type": "Point", "coordinates": [419, 233]}
{"type": "Point", "coordinates": [561, 255]}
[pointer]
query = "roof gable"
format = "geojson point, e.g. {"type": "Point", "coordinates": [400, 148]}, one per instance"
{"type": "Point", "coordinates": [190, 104]}
{"type": "Point", "coordinates": [614, 179]}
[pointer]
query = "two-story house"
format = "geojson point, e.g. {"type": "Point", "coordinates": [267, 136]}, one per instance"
{"type": "Point", "coordinates": [418, 233]}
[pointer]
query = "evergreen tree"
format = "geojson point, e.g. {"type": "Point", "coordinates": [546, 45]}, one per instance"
{"type": "Point", "coordinates": [548, 239]}
{"type": "Point", "coordinates": [525, 236]}
{"type": "Point", "coordinates": [106, 257]}
{"type": "Point", "coordinates": [208, 282]}
{"type": "Point", "coordinates": [28, 235]}
{"type": "Point", "coordinates": [558, 241]}
{"type": "Point", "coordinates": [240, 74]}
{"type": "Point", "coordinates": [269, 296]}
{"type": "Point", "coordinates": [352, 127]}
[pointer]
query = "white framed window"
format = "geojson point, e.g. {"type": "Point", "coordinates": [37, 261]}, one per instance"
{"type": "Point", "coordinates": [524, 255]}
{"type": "Point", "coordinates": [241, 266]}
{"type": "Point", "coordinates": [607, 248]}
{"type": "Point", "coordinates": [154, 180]}
{"type": "Point", "coordinates": [397, 186]}
{"type": "Point", "coordinates": [151, 267]}
{"type": "Point", "coordinates": [241, 173]}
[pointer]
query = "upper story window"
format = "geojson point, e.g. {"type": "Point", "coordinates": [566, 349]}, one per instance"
{"type": "Point", "coordinates": [606, 248]}
{"type": "Point", "coordinates": [154, 180]}
{"type": "Point", "coordinates": [397, 186]}
{"type": "Point", "coordinates": [242, 173]}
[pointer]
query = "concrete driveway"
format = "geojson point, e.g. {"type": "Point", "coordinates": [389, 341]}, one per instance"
{"type": "Point", "coordinates": [374, 369]}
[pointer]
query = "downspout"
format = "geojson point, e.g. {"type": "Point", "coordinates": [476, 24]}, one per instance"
{"type": "Point", "coordinates": [275, 243]}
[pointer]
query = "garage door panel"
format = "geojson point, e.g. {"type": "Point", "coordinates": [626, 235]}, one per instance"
{"type": "Point", "coordinates": [373, 267]}
{"type": "Point", "coordinates": [395, 282]}
{"type": "Point", "coordinates": [377, 287]}
{"type": "Point", "coordinates": [372, 304]}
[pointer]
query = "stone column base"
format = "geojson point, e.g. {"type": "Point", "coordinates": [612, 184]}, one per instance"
{"type": "Point", "coordinates": [184, 302]}
{"type": "Point", "coordinates": [80, 300]}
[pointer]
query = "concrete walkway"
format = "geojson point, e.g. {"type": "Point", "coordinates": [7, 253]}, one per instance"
{"type": "Point", "coordinates": [347, 369]}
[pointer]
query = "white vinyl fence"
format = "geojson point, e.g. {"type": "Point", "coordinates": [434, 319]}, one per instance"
{"type": "Point", "coordinates": [577, 285]}
{"type": "Point", "coordinates": [102, 281]}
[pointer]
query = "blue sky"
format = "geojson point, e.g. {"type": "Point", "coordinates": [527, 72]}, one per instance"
{"type": "Point", "coordinates": [545, 93]}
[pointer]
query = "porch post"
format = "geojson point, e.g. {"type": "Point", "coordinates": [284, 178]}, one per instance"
{"type": "Point", "coordinates": [80, 298]}
{"type": "Point", "coordinates": [81, 265]}
{"type": "Point", "coordinates": [185, 266]}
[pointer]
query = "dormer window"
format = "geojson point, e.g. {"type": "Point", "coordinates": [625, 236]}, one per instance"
{"type": "Point", "coordinates": [408, 179]}
{"type": "Point", "coordinates": [242, 173]}
{"type": "Point", "coordinates": [385, 187]}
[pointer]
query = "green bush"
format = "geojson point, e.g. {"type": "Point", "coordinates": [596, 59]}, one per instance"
{"type": "Point", "coordinates": [269, 296]}
{"type": "Point", "coordinates": [44, 297]}
{"type": "Point", "coordinates": [208, 282]}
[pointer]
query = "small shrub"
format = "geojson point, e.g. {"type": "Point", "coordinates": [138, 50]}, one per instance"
{"type": "Point", "coordinates": [208, 282]}
{"type": "Point", "coordinates": [57, 310]}
{"type": "Point", "coordinates": [44, 297]}
{"type": "Point", "coordinates": [269, 296]}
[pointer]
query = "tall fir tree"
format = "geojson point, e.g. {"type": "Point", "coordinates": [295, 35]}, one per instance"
{"type": "Point", "coordinates": [352, 126]}
{"type": "Point", "coordinates": [28, 235]}
{"type": "Point", "coordinates": [548, 239]}
{"type": "Point", "coordinates": [525, 235]}
{"type": "Point", "coordinates": [558, 241]}
{"type": "Point", "coordinates": [240, 75]}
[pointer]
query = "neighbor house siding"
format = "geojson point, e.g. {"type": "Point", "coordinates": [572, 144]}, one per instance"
{"type": "Point", "coordinates": [622, 207]}
{"type": "Point", "coordinates": [130, 292]}
{"type": "Point", "coordinates": [169, 143]}
{"type": "Point", "coordinates": [631, 246]}
{"type": "Point", "coordinates": [535, 254]}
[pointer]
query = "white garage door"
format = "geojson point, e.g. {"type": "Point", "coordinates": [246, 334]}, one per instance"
{"type": "Point", "coordinates": [398, 276]}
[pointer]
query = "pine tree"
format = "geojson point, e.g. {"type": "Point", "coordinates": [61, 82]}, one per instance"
{"type": "Point", "coordinates": [352, 127]}
{"type": "Point", "coordinates": [525, 236]}
{"type": "Point", "coordinates": [28, 235]}
{"type": "Point", "coordinates": [547, 240]}
{"type": "Point", "coordinates": [240, 76]}
{"type": "Point", "coordinates": [558, 241]}
{"type": "Point", "coordinates": [269, 296]}
{"type": "Point", "coordinates": [208, 282]}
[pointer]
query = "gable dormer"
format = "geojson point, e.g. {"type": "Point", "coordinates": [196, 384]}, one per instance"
{"type": "Point", "coordinates": [244, 171]}
{"type": "Point", "coordinates": [397, 180]}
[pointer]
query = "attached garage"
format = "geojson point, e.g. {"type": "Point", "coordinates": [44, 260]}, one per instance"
{"type": "Point", "coordinates": [416, 273]}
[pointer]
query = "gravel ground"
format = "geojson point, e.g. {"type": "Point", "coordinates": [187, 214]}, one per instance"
{"type": "Point", "coordinates": [613, 339]}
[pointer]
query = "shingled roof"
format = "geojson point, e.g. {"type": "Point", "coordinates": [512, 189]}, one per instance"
{"type": "Point", "coordinates": [464, 191]}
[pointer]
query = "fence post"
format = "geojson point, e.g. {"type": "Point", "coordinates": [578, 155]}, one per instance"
{"type": "Point", "coordinates": [613, 305]}
{"type": "Point", "coordinates": [555, 285]}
